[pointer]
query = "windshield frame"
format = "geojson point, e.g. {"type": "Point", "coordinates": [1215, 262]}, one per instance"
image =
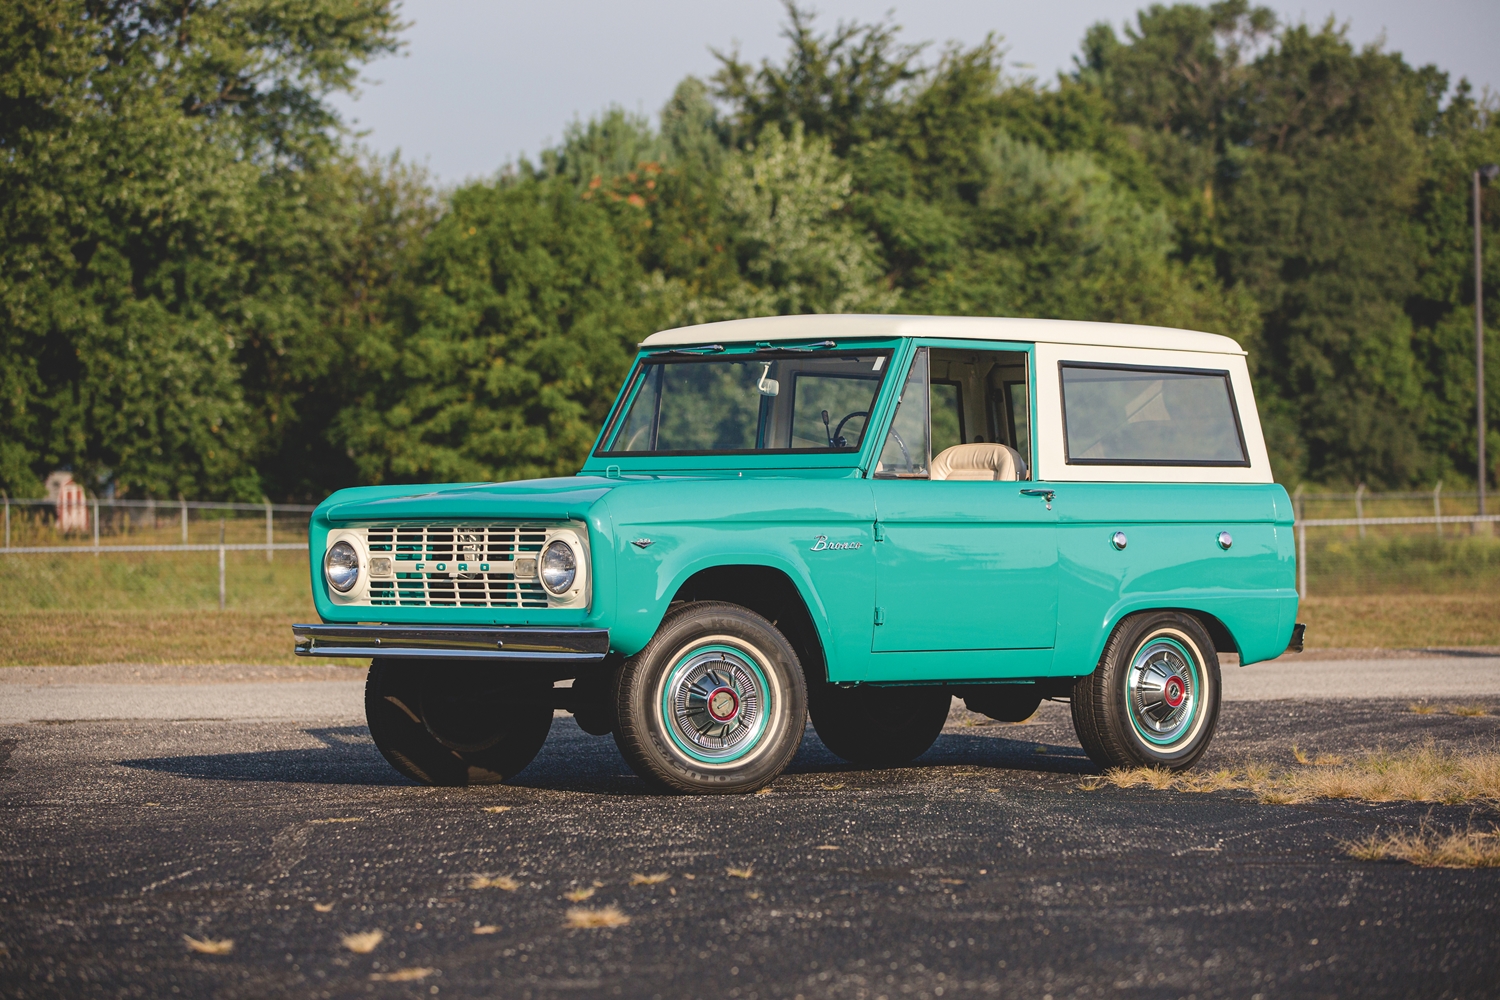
{"type": "Point", "coordinates": [848, 457]}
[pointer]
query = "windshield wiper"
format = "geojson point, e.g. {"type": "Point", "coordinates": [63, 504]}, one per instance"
{"type": "Point", "coordinates": [822, 345]}
{"type": "Point", "coordinates": [705, 349]}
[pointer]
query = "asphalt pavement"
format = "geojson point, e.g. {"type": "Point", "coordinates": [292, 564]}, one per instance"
{"type": "Point", "coordinates": [986, 869]}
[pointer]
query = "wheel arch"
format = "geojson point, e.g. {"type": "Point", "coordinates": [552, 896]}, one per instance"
{"type": "Point", "coordinates": [770, 592]}
{"type": "Point", "coordinates": [1223, 638]}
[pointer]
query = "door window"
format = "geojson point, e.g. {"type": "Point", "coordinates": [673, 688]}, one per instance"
{"type": "Point", "coordinates": [947, 414]}
{"type": "Point", "coordinates": [908, 449]}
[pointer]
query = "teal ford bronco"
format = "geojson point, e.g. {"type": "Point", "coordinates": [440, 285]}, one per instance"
{"type": "Point", "coordinates": [852, 518]}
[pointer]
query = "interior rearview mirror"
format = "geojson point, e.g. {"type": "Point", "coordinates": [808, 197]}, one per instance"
{"type": "Point", "coordinates": [767, 386]}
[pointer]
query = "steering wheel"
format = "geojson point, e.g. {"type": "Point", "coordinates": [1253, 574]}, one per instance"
{"type": "Point", "coordinates": [905, 454]}
{"type": "Point", "coordinates": [837, 439]}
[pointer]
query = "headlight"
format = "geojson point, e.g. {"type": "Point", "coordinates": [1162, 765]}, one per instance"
{"type": "Point", "coordinates": [341, 567]}
{"type": "Point", "coordinates": [559, 567]}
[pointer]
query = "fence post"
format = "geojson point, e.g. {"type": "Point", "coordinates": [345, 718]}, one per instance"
{"type": "Point", "coordinates": [183, 501]}
{"type": "Point", "coordinates": [1359, 508]}
{"type": "Point", "coordinates": [268, 531]}
{"type": "Point", "coordinates": [1297, 501]}
{"type": "Point", "coordinates": [96, 527]}
{"type": "Point", "coordinates": [221, 564]}
{"type": "Point", "coordinates": [1301, 561]}
{"type": "Point", "coordinates": [7, 518]}
{"type": "Point", "coordinates": [1437, 507]}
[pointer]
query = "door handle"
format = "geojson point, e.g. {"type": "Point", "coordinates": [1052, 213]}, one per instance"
{"type": "Point", "coordinates": [1048, 494]}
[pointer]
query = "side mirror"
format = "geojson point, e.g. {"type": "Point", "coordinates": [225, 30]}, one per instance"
{"type": "Point", "coordinates": [767, 386]}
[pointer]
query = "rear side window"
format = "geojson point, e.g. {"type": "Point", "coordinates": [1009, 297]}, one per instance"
{"type": "Point", "coordinates": [1126, 415]}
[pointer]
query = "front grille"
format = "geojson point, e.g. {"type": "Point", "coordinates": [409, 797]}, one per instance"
{"type": "Point", "coordinates": [455, 565]}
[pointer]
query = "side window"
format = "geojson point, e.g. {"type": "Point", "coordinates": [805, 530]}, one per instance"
{"type": "Point", "coordinates": [907, 449]}
{"type": "Point", "coordinates": [1127, 415]}
{"type": "Point", "coordinates": [947, 414]}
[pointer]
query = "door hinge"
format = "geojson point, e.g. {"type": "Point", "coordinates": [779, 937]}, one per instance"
{"type": "Point", "coordinates": [880, 616]}
{"type": "Point", "coordinates": [879, 532]}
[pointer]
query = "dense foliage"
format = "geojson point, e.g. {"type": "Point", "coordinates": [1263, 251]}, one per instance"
{"type": "Point", "coordinates": [204, 291]}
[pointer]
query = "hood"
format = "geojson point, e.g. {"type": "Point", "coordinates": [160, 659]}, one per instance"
{"type": "Point", "coordinates": [560, 499]}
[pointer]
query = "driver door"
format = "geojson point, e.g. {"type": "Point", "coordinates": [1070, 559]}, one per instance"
{"type": "Point", "coordinates": [959, 565]}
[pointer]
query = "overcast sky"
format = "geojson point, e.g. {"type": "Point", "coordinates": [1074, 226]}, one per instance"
{"type": "Point", "coordinates": [482, 82]}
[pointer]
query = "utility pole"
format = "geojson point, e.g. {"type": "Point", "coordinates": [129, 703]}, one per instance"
{"type": "Point", "coordinates": [1484, 173]}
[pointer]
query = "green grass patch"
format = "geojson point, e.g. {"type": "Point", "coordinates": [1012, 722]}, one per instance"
{"type": "Point", "coordinates": [1342, 564]}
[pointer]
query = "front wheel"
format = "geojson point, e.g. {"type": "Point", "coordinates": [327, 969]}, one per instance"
{"type": "Point", "coordinates": [1153, 701]}
{"type": "Point", "coordinates": [445, 724]}
{"type": "Point", "coordinates": [715, 702]}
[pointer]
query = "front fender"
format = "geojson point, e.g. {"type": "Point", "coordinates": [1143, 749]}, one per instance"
{"type": "Point", "coordinates": [660, 543]}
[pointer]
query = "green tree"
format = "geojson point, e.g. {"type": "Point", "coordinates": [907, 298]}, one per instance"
{"type": "Point", "coordinates": [504, 351]}
{"type": "Point", "coordinates": [146, 154]}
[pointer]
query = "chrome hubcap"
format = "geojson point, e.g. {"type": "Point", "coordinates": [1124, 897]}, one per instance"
{"type": "Point", "coordinates": [716, 700]}
{"type": "Point", "coordinates": [1162, 689]}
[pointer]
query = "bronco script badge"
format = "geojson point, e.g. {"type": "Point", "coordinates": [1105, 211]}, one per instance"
{"type": "Point", "coordinates": [822, 543]}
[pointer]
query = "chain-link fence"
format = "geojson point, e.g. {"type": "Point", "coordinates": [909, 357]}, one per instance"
{"type": "Point", "coordinates": [1429, 542]}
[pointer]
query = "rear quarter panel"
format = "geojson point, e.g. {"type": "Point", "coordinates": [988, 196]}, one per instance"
{"type": "Point", "coordinates": [1173, 560]}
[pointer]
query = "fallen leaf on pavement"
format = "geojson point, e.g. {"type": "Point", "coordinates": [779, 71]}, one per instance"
{"type": "Point", "coordinates": [401, 975]}
{"type": "Point", "coordinates": [365, 942]}
{"type": "Point", "coordinates": [209, 946]}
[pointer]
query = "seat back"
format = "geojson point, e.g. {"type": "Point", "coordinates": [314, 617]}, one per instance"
{"type": "Point", "coordinates": [980, 461]}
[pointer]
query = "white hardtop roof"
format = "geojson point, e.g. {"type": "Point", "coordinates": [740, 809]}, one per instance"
{"type": "Point", "coordinates": [1029, 331]}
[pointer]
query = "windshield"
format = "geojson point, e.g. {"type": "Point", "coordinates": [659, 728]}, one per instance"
{"type": "Point", "coordinates": [763, 402]}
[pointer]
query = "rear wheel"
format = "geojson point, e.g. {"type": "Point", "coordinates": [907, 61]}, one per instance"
{"type": "Point", "coordinates": [879, 726]}
{"type": "Point", "coordinates": [445, 724]}
{"type": "Point", "coordinates": [1153, 701]}
{"type": "Point", "coordinates": [715, 702]}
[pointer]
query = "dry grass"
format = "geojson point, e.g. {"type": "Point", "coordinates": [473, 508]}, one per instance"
{"type": "Point", "coordinates": [1423, 773]}
{"type": "Point", "coordinates": [496, 809]}
{"type": "Point", "coordinates": [1422, 708]}
{"type": "Point", "coordinates": [1431, 848]}
{"type": "Point", "coordinates": [486, 929]}
{"type": "Point", "coordinates": [609, 916]}
{"type": "Point", "coordinates": [739, 872]}
{"type": "Point", "coordinates": [412, 975]}
{"type": "Point", "coordinates": [208, 636]}
{"type": "Point", "coordinates": [654, 879]}
{"type": "Point", "coordinates": [494, 882]}
{"type": "Point", "coordinates": [579, 895]}
{"type": "Point", "coordinates": [365, 942]}
{"type": "Point", "coordinates": [323, 907]}
{"type": "Point", "coordinates": [1472, 710]}
{"type": "Point", "coordinates": [1400, 621]}
{"type": "Point", "coordinates": [157, 607]}
{"type": "Point", "coordinates": [209, 946]}
{"type": "Point", "coordinates": [338, 819]}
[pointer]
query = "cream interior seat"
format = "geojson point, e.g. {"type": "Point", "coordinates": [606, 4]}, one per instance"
{"type": "Point", "coordinates": [980, 461]}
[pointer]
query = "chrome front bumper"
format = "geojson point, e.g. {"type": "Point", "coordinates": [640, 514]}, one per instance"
{"type": "Point", "coordinates": [570, 645]}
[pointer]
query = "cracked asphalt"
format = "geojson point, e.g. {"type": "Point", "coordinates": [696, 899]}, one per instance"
{"type": "Point", "coordinates": [983, 870]}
